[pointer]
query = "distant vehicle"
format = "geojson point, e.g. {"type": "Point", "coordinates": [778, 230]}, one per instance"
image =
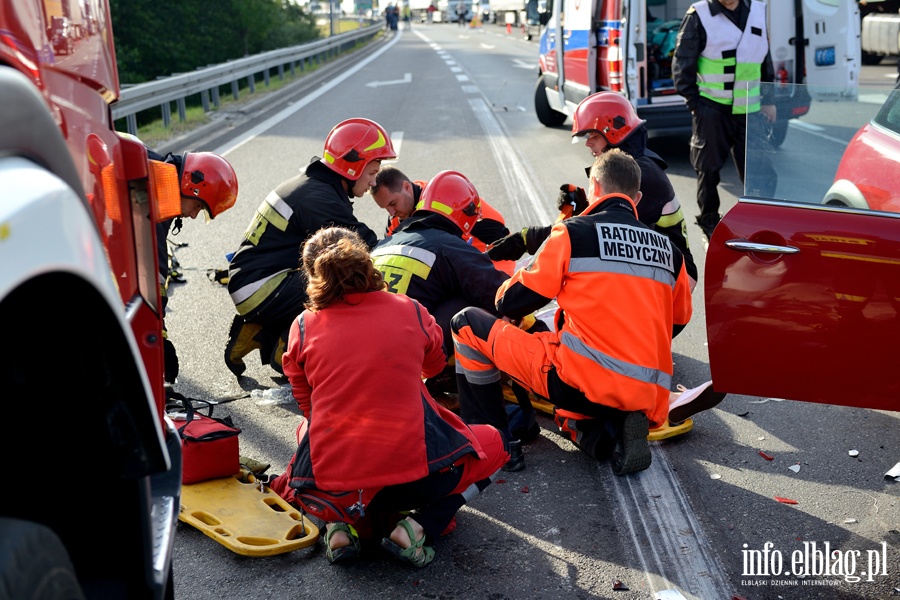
{"type": "Point", "coordinates": [868, 176]}
{"type": "Point", "coordinates": [80, 304]}
{"type": "Point", "coordinates": [447, 11]}
{"type": "Point", "coordinates": [880, 35]}
{"type": "Point", "coordinates": [62, 35]}
{"type": "Point", "coordinates": [627, 46]}
{"type": "Point", "coordinates": [510, 12]}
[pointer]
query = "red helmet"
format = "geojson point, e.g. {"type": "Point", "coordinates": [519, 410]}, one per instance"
{"type": "Point", "coordinates": [449, 193]}
{"type": "Point", "coordinates": [211, 179]}
{"type": "Point", "coordinates": [608, 113]}
{"type": "Point", "coordinates": [353, 144]}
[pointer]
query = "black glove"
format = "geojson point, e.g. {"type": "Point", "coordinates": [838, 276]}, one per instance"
{"type": "Point", "coordinates": [170, 361]}
{"type": "Point", "coordinates": [570, 195]}
{"type": "Point", "coordinates": [511, 247]}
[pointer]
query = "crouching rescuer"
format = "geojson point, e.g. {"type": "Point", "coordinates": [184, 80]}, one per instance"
{"type": "Point", "coordinates": [623, 291]}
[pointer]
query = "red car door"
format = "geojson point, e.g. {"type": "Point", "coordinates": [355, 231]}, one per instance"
{"type": "Point", "coordinates": [803, 303]}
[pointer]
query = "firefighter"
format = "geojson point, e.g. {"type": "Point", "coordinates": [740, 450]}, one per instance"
{"type": "Point", "coordinates": [622, 289]}
{"type": "Point", "coordinates": [721, 56]}
{"type": "Point", "coordinates": [427, 258]}
{"type": "Point", "coordinates": [208, 184]}
{"type": "Point", "coordinates": [264, 281]}
{"type": "Point", "coordinates": [398, 195]}
{"type": "Point", "coordinates": [607, 120]}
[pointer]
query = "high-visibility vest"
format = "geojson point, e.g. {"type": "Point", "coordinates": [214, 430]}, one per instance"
{"type": "Point", "coordinates": [732, 58]}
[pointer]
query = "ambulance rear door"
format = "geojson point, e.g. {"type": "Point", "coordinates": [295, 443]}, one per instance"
{"type": "Point", "coordinates": [830, 52]}
{"type": "Point", "coordinates": [647, 30]}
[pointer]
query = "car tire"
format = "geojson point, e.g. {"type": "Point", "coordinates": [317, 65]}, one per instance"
{"type": "Point", "coordinates": [870, 59]}
{"type": "Point", "coordinates": [35, 563]}
{"type": "Point", "coordinates": [545, 113]}
{"type": "Point", "coordinates": [777, 132]}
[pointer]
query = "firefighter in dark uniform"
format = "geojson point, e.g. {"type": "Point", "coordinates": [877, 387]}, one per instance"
{"type": "Point", "coordinates": [427, 258]}
{"type": "Point", "coordinates": [607, 120]}
{"type": "Point", "coordinates": [398, 195]}
{"type": "Point", "coordinates": [207, 183]}
{"type": "Point", "coordinates": [265, 282]}
{"type": "Point", "coordinates": [721, 56]}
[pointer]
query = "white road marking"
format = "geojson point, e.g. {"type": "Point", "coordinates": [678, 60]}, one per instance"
{"type": "Point", "coordinates": [665, 531]}
{"type": "Point", "coordinates": [271, 122]}
{"type": "Point", "coordinates": [407, 78]}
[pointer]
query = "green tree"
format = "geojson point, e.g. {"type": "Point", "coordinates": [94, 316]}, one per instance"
{"type": "Point", "coordinates": [158, 39]}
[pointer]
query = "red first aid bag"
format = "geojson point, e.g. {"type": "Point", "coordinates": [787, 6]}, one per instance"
{"type": "Point", "coordinates": [209, 446]}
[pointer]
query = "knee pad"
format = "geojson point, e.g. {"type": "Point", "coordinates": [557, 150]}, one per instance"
{"type": "Point", "coordinates": [478, 320]}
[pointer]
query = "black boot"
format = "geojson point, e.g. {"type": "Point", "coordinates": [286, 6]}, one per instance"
{"type": "Point", "coordinates": [516, 457]}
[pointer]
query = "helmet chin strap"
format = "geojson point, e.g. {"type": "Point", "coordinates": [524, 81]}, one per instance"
{"type": "Point", "coordinates": [349, 183]}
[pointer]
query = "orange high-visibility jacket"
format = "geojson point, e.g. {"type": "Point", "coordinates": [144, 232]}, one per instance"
{"type": "Point", "coordinates": [623, 291]}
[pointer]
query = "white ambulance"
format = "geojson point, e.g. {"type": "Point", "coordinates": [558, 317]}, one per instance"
{"type": "Point", "coordinates": [627, 46]}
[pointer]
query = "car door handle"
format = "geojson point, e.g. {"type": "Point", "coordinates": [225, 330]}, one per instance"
{"type": "Point", "coordinates": [745, 246]}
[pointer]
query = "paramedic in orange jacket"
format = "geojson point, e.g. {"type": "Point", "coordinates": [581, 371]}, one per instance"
{"type": "Point", "coordinates": [623, 291]}
{"type": "Point", "coordinates": [373, 441]}
{"type": "Point", "coordinates": [400, 196]}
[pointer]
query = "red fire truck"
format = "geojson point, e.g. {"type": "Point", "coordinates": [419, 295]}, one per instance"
{"type": "Point", "coordinates": [91, 501]}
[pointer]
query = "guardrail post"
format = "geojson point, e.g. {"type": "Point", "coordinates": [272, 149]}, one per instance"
{"type": "Point", "coordinates": [251, 83]}
{"type": "Point", "coordinates": [131, 124]}
{"type": "Point", "coordinates": [266, 77]}
{"type": "Point", "coordinates": [182, 110]}
{"type": "Point", "coordinates": [293, 70]}
{"type": "Point", "coordinates": [204, 100]}
{"type": "Point", "coordinates": [215, 96]}
{"type": "Point", "coordinates": [235, 92]}
{"type": "Point", "coordinates": [281, 72]}
{"type": "Point", "coordinates": [167, 115]}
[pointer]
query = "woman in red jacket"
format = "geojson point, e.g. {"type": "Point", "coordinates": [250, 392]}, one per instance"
{"type": "Point", "coordinates": [373, 441]}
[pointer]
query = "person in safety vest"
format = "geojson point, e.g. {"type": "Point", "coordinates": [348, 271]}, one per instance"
{"type": "Point", "coordinates": [721, 56]}
{"type": "Point", "coordinates": [607, 120]}
{"type": "Point", "coordinates": [622, 290]}
{"type": "Point", "coordinates": [373, 442]}
{"type": "Point", "coordinates": [206, 183]}
{"type": "Point", "coordinates": [264, 281]}
{"type": "Point", "coordinates": [398, 195]}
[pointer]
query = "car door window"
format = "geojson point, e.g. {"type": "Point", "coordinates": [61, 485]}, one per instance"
{"type": "Point", "coordinates": [840, 153]}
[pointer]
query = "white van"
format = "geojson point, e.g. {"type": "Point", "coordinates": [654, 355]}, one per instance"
{"type": "Point", "coordinates": [627, 46]}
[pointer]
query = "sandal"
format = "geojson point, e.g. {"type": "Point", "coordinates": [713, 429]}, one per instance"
{"type": "Point", "coordinates": [344, 553]}
{"type": "Point", "coordinates": [411, 554]}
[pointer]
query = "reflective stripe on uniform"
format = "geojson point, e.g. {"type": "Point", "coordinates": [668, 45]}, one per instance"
{"type": "Point", "coordinates": [253, 294]}
{"type": "Point", "coordinates": [729, 68]}
{"type": "Point", "coordinates": [481, 376]}
{"type": "Point", "coordinates": [399, 264]}
{"type": "Point", "coordinates": [626, 369]}
{"type": "Point", "coordinates": [671, 214]}
{"type": "Point", "coordinates": [276, 211]}
{"type": "Point", "coordinates": [385, 253]}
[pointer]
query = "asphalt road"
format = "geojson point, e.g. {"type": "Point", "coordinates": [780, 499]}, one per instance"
{"type": "Point", "coordinates": [565, 527]}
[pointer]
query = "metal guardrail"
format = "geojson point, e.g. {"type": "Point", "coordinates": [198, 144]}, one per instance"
{"type": "Point", "coordinates": [207, 81]}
